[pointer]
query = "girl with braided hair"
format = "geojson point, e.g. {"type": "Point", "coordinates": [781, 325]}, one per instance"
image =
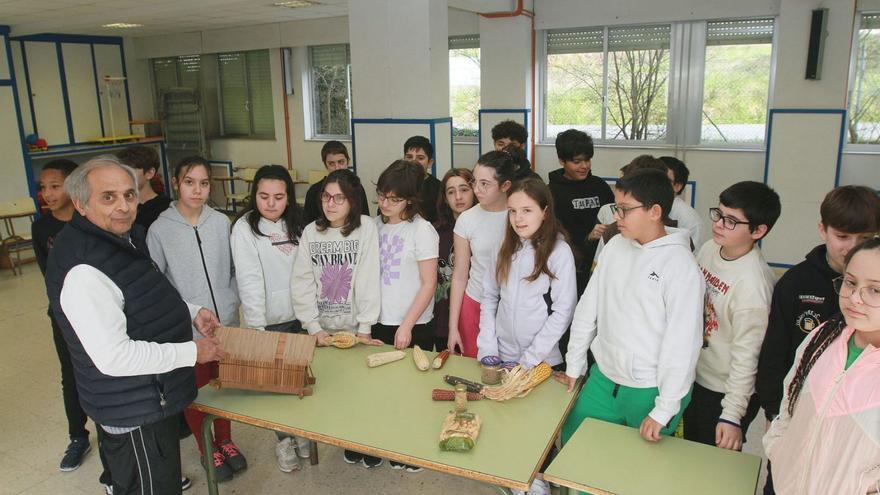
{"type": "Point", "coordinates": [827, 437]}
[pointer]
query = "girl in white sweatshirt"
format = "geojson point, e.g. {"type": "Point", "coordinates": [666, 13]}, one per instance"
{"type": "Point", "coordinates": [336, 272]}
{"type": "Point", "coordinates": [529, 296]}
{"type": "Point", "coordinates": [189, 243]}
{"type": "Point", "coordinates": [264, 242]}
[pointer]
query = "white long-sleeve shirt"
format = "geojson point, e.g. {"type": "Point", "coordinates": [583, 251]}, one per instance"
{"type": "Point", "coordinates": [642, 314]}
{"type": "Point", "coordinates": [737, 310]}
{"type": "Point", "coordinates": [263, 267]}
{"type": "Point", "coordinates": [93, 305]}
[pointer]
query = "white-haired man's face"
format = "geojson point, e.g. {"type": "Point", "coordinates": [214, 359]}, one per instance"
{"type": "Point", "coordinates": [113, 200]}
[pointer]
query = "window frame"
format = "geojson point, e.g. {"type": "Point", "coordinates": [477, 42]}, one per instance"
{"type": "Point", "coordinates": [311, 108]}
{"type": "Point", "coordinates": [857, 148]}
{"type": "Point", "coordinates": [687, 58]}
{"type": "Point", "coordinates": [247, 88]}
{"type": "Point", "coordinates": [466, 139]}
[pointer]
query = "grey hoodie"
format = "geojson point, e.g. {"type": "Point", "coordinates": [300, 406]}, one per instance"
{"type": "Point", "coordinates": [173, 246]}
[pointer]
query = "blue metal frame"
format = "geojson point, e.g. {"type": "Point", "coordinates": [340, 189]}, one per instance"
{"type": "Point", "coordinates": [769, 137]}
{"type": "Point", "coordinates": [97, 90]}
{"type": "Point", "coordinates": [70, 38]}
{"type": "Point", "coordinates": [64, 95]}
{"type": "Point", "coordinates": [691, 183]}
{"type": "Point", "coordinates": [28, 171]}
{"type": "Point", "coordinates": [525, 111]}
{"type": "Point", "coordinates": [27, 80]}
{"type": "Point", "coordinates": [58, 39]}
{"type": "Point", "coordinates": [432, 132]}
{"type": "Point", "coordinates": [768, 140]}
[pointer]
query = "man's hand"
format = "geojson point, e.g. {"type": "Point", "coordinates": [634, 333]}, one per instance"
{"type": "Point", "coordinates": [564, 379]}
{"type": "Point", "coordinates": [728, 436]}
{"type": "Point", "coordinates": [650, 429]}
{"type": "Point", "coordinates": [206, 322]}
{"type": "Point", "coordinates": [209, 349]}
{"type": "Point", "coordinates": [402, 337]}
{"type": "Point", "coordinates": [367, 339]}
{"type": "Point", "coordinates": [597, 232]}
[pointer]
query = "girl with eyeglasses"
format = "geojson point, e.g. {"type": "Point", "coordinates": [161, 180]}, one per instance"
{"type": "Point", "coordinates": [456, 197]}
{"type": "Point", "coordinates": [826, 438]}
{"type": "Point", "coordinates": [336, 271]}
{"type": "Point", "coordinates": [477, 236]}
{"type": "Point", "coordinates": [408, 259]}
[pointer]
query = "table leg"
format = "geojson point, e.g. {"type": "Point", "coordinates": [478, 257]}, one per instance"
{"type": "Point", "coordinates": [313, 452]}
{"type": "Point", "coordinates": [208, 456]}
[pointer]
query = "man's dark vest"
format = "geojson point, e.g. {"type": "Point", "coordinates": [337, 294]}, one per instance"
{"type": "Point", "coordinates": [154, 312]}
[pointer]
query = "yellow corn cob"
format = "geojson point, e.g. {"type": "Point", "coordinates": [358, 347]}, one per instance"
{"type": "Point", "coordinates": [380, 358]}
{"type": "Point", "coordinates": [343, 340]}
{"type": "Point", "coordinates": [538, 374]}
{"type": "Point", "coordinates": [420, 359]}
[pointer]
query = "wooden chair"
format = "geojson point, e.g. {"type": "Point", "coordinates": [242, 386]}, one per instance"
{"type": "Point", "coordinates": [12, 242]}
{"type": "Point", "coordinates": [246, 175]}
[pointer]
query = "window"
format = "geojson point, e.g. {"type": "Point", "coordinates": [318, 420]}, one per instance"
{"type": "Point", "coordinates": [464, 85]}
{"type": "Point", "coordinates": [643, 83]}
{"type": "Point", "coordinates": [864, 93]}
{"type": "Point", "coordinates": [331, 90]}
{"type": "Point", "coordinates": [176, 72]}
{"type": "Point", "coordinates": [736, 81]}
{"type": "Point", "coordinates": [610, 82]}
{"type": "Point", "coordinates": [245, 94]}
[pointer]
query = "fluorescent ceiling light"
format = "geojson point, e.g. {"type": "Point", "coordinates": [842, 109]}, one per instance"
{"type": "Point", "coordinates": [122, 25]}
{"type": "Point", "coordinates": [295, 4]}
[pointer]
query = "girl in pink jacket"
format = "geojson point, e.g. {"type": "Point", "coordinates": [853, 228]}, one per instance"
{"type": "Point", "coordinates": [827, 439]}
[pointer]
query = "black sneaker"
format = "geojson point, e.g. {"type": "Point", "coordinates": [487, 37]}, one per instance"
{"type": "Point", "coordinates": [396, 465]}
{"type": "Point", "coordinates": [409, 467]}
{"type": "Point", "coordinates": [352, 457]}
{"type": "Point", "coordinates": [221, 470]}
{"type": "Point", "coordinates": [371, 462]}
{"type": "Point", "coordinates": [185, 483]}
{"type": "Point", "coordinates": [234, 458]}
{"type": "Point", "coordinates": [73, 456]}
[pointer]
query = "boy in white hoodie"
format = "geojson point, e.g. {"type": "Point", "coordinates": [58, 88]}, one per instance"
{"type": "Point", "coordinates": [739, 290]}
{"type": "Point", "coordinates": [641, 315]}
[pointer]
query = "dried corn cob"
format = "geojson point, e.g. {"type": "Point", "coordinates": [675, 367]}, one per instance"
{"type": "Point", "coordinates": [380, 358]}
{"type": "Point", "coordinates": [420, 359]}
{"type": "Point", "coordinates": [440, 359]}
{"type": "Point", "coordinates": [449, 395]}
{"type": "Point", "coordinates": [538, 374]}
{"type": "Point", "coordinates": [514, 383]}
{"type": "Point", "coordinates": [471, 386]}
{"type": "Point", "coordinates": [343, 340]}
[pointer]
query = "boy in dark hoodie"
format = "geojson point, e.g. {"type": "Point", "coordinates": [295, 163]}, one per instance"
{"type": "Point", "coordinates": [804, 297]}
{"type": "Point", "coordinates": [577, 197]}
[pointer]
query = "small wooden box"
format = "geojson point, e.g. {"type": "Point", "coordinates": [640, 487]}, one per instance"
{"type": "Point", "coordinates": [266, 361]}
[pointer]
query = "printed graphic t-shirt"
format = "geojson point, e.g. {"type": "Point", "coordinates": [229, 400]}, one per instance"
{"type": "Point", "coordinates": [401, 247]}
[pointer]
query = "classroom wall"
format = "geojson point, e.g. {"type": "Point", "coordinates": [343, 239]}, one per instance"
{"type": "Point", "coordinates": [712, 169]}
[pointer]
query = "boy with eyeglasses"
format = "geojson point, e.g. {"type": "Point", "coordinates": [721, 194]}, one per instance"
{"type": "Point", "coordinates": [641, 315]}
{"type": "Point", "coordinates": [804, 297]}
{"type": "Point", "coordinates": [739, 285]}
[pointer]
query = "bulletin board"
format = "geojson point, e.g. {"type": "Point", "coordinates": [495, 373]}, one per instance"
{"type": "Point", "coordinates": [804, 148]}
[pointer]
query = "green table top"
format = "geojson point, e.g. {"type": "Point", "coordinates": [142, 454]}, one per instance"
{"type": "Point", "coordinates": [604, 458]}
{"type": "Point", "coordinates": [388, 411]}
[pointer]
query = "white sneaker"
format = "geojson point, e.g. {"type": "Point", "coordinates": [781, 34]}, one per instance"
{"type": "Point", "coordinates": [539, 487]}
{"type": "Point", "coordinates": [285, 451]}
{"type": "Point", "coordinates": [108, 489]}
{"type": "Point", "coordinates": [303, 447]}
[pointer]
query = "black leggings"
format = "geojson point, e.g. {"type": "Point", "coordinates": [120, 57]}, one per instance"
{"type": "Point", "coordinates": [422, 335]}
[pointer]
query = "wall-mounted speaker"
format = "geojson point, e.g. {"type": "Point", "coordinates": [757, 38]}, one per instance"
{"type": "Point", "coordinates": [816, 45]}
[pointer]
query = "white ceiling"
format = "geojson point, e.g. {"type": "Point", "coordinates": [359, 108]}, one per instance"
{"type": "Point", "coordinates": [173, 16]}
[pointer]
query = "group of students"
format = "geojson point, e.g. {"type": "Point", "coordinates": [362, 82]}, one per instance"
{"type": "Point", "coordinates": [497, 265]}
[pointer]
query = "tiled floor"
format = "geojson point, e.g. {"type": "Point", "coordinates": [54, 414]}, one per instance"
{"type": "Point", "coordinates": [34, 429]}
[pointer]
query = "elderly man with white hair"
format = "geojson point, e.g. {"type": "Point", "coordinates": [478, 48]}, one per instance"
{"type": "Point", "coordinates": [128, 330]}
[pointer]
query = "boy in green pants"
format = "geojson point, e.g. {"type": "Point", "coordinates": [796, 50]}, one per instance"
{"type": "Point", "coordinates": [641, 315]}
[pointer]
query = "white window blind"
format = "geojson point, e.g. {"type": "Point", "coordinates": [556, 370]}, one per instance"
{"type": "Point", "coordinates": [575, 41]}
{"type": "Point", "coordinates": [465, 41]}
{"type": "Point", "coordinates": [739, 32]}
{"type": "Point", "coordinates": [246, 93]}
